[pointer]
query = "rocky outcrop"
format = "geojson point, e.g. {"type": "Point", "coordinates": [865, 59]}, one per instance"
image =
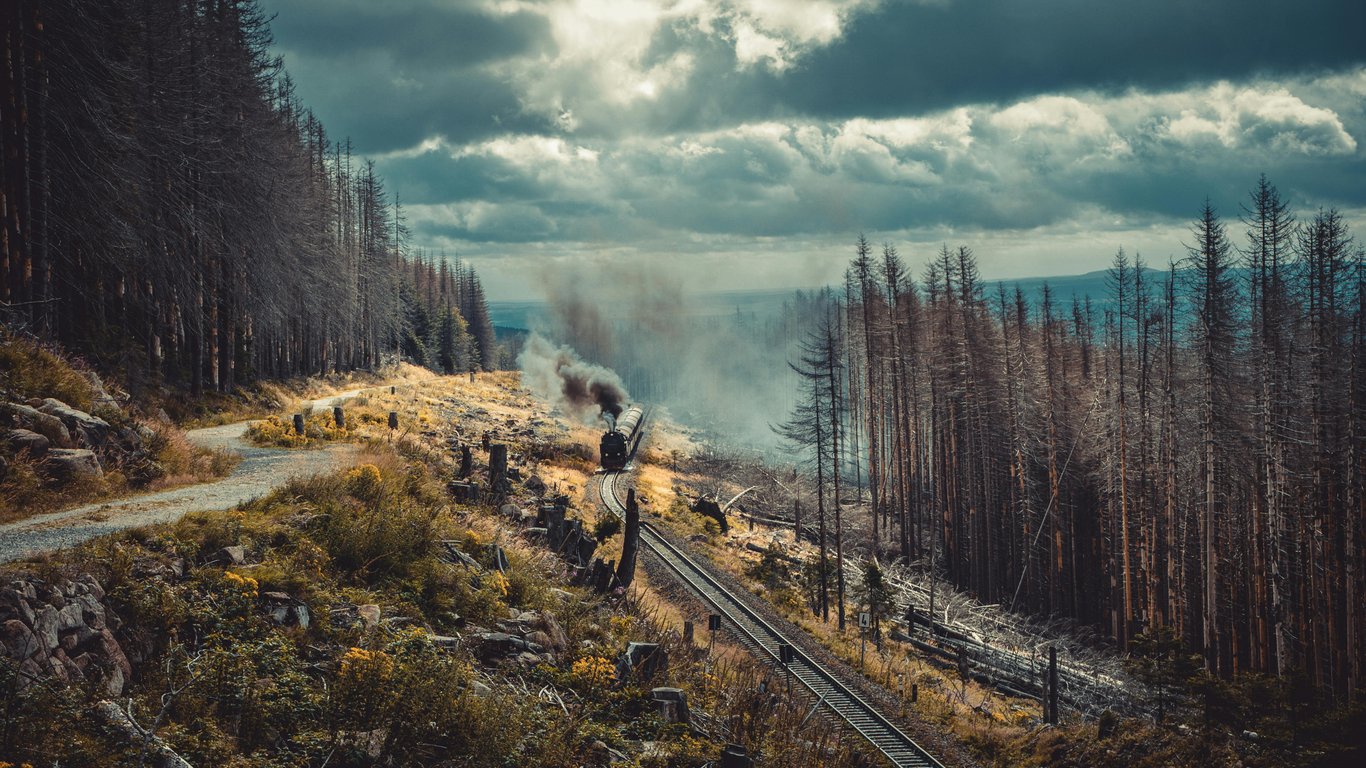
{"type": "Point", "coordinates": [75, 444]}
{"type": "Point", "coordinates": [100, 395]}
{"type": "Point", "coordinates": [45, 424]}
{"type": "Point", "coordinates": [529, 637]}
{"type": "Point", "coordinates": [104, 446]}
{"type": "Point", "coordinates": [63, 631]}
{"type": "Point", "coordinates": [535, 484]}
{"type": "Point", "coordinates": [231, 555]}
{"type": "Point", "coordinates": [369, 615]}
{"type": "Point", "coordinates": [27, 440]}
{"type": "Point", "coordinates": [92, 430]}
{"type": "Point", "coordinates": [69, 464]}
{"type": "Point", "coordinates": [348, 616]}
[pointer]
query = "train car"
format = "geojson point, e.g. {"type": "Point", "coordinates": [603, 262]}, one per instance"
{"type": "Point", "coordinates": [621, 439]}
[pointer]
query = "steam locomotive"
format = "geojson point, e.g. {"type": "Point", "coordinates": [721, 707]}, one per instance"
{"type": "Point", "coordinates": [619, 441]}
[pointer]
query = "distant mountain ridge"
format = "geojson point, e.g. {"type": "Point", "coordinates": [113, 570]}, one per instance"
{"type": "Point", "coordinates": [766, 302]}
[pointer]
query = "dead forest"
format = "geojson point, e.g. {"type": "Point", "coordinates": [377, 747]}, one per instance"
{"type": "Point", "coordinates": [173, 212]}
{"type": "Point", "coordinates": [1184, 454]}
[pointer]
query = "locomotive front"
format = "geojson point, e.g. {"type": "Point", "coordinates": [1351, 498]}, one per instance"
{"type": "Point", "coordinates": [617, 442]}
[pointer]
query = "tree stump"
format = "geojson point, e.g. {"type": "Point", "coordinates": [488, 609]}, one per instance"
{"type": "Point", "coordinates": [672, 703]}
{"type": "Point", "coordinates": [735, 756]}
{"type": "Point", "coordinates": [339, 417]}
{"type": "Point", "coordinates": [630, 542]}
{"type": "Point", "coordinates": [299, 424]}
{"type": "Point", "coordinates": [498, 464]}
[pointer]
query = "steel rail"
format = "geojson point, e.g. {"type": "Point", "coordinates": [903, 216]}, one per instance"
{"type": "Point", "coordinates": [764, 639]}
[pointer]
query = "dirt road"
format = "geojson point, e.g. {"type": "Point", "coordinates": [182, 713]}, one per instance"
{"type": "Point", "coordinates": [261, 470]}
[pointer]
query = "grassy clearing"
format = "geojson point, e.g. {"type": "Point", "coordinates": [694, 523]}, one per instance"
{"type": "Point", "coordinates": [426, 405]}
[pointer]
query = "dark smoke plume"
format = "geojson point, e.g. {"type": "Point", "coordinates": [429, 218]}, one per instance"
{"type": "Point", "coordinates": [559, 376]}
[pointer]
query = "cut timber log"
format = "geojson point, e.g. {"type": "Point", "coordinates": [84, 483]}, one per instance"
{"type": "Point", "coordinates": [156, 751]}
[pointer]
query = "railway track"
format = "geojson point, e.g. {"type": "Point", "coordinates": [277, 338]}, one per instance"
{"type": "Point", "coordinates": [764, 639]}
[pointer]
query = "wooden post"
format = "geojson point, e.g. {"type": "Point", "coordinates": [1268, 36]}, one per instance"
{"type": "Point", "coordinates": [466, 461]}
{"type": "Point", "coordinates": [1051, 708]}
{"type": "Point", "coordinates": [299, 424]}
{"type": "Point", "coordinates": [339, 417]}
{"type": "Point", "coordinates": [393, 419]}
{"type": "Point", "coordinates": [392, 390]}
{"type": "Point", "coordinates": [915, 692]}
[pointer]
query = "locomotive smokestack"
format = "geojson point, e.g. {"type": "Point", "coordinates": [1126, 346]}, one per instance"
{"type": "Point", "coordinates": [560, 376]}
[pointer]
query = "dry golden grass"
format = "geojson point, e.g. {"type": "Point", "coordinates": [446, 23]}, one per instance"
{"type": "Point", "coordinates": [26, 491]}
{"type": "Point", "coordinates": [31, 369]}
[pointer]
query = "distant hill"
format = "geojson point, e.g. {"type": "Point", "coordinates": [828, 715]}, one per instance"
{"type": "Point", "coordinates": [530, 315]}
{"type": "Point", "coordinates": [1094, 285]}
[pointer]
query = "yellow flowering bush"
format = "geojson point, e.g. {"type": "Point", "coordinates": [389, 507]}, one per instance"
{"type": "Point", "coordinates": [359, 663]}
{"type": "Point", "coordinates": [593, 672]}
{"type": "Point", "coordinates": [365, 482]}
{"type": "Point", "coordinates": [248, 586]}
{"type": "Point", "coordinates": [621, 625]}
{"type": "Point", "coordinates": [274, 430]}
{"type": "Point", "coordinates": [499, 583]}
{"type": "Point", "coordinates": [324, 427]}
{"type": "Point", "coordinates": [710, 682]}
{"type": "Point", "coordinates": [361, 693]}
{"type": "Point", "coordinates": [279, 431]}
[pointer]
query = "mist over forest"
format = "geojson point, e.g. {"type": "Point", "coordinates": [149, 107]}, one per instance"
{"type": "Point", "coordinates": [717, 360]}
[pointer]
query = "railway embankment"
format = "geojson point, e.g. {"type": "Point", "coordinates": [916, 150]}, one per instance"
{"type": "Point", "coordinates": [391, 612]}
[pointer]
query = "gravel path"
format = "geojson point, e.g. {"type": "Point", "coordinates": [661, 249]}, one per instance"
{"type": "Point", "coordinates": [260, 471]}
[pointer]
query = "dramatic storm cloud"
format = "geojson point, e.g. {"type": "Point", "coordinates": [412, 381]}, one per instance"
{"type": "Point", "coordinates": [754, 139]}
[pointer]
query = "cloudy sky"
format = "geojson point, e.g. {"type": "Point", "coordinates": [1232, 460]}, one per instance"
{"type": "Point", "coordinates": [750, 141]}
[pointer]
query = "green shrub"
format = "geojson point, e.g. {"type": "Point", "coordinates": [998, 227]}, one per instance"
{"type": "Point", "coordinates": [372, 541]}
